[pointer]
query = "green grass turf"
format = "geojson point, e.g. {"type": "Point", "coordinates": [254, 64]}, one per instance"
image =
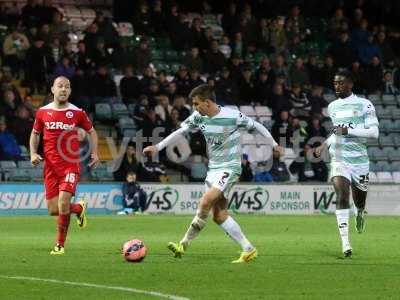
{"type": "Point", "coordinates": [299, 259]}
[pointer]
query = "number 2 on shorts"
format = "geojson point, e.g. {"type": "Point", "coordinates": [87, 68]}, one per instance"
{"type": "Point", "coordinates": [222, 181]}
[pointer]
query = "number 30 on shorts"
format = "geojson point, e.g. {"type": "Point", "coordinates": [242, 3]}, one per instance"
{"type": "Point", "coordinates": [222, 180]}
{"type": "Point", "coordinates": [70, 177]}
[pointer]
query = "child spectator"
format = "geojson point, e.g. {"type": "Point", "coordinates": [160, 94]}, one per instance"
{"type": "Point", "coordinates": [134, 197]}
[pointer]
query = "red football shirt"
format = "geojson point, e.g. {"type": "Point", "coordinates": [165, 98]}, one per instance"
{"type": "Point", "coordinates": [60, 135]}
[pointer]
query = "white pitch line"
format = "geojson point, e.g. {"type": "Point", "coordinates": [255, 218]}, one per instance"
{"type": "Point", "coordinates": [99, 286]}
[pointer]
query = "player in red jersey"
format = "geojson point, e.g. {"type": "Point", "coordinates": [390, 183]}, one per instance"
{"type": "Point", "coordinates": [59, 122]}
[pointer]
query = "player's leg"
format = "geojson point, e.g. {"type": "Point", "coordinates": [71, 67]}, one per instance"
{"type": "Point", "coordinates": [69, 184]}
{"type": "Point", "coordinates": [359, 189]}
{"type": "Point", "coordinates": [232, 229]}
{"type": "Point", "coordinates": [342, 189]}
{"type": "Point", "coordinates": [63, 219]}
{"type": "Point", "coordinates": [199, 221]}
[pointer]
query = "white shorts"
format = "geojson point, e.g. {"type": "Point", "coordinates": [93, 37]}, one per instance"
{"type": "Point", "coordinates": [223, 180]}
{"type": "Point", "coordinates": [358, 175]}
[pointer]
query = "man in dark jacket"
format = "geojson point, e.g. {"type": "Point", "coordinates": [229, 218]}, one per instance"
{"type": "Point", "coordinates": [134, 197]}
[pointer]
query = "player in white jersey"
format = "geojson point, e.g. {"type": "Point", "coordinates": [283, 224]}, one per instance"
{"type": "Point", "coordinates": [354, 121]}
{"type": "Point", "coordinates": [219, 126]}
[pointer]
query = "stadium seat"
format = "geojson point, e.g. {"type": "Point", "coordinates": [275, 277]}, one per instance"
{"type": "Point", "coordinates": [397, 141]}
{"type": "Point", "coordinates": [388, 99]}
{"type": "Point", "coordinates": [131, 108]}
{"type": "Point", "coordinates": [265, 152]}
{"type": "Point", "coordinates": [198, 171]}
{"type": "Point", "coordinates": [248, 110]}
{"type": "Point", "coordinates": [101, 173]}
{"type": "Point", "coordinates": [395, 166]}
{"type": "Point", "coordinates": [119, 110]}
{"type": "Point", "coordinates": [263, 111]}
{"type": "Point", "coordinates": [385, 125]}
{"type": "Point", "coordinates": [375, 153]}
{"type": "Point", "coordinates": [6, 166]}
{"type": "Point", "coordinates": [24, 164]}
{"type": "Point", "coordinates": [266, 121]}
{"type": "Point", "coordinates": [386, 141]}
{"type": "Point", "coordinates": [103, 111]}
{"type": "Point", "coordinates": [375, 99]}
{"type": "Point", "coordinates": [19, 175]}
{"type": "Point", "coordinates": [391, 153]}
{"type": "Point", "coordinates": [383, 113]}
{"type": "Point", "coordinates": [157, 54]}
{"type": "Point", "coordinates": [396, 177]}
{"type": "Point", "coordinates": [396, 124]}
{"type": "Point", "coordinates": [383, 166]}
{"type": "Point", "coordinates": [372, 177]}
{"type": "Point", "coordinates": [171, 55]}
{"type": "Point", "coordinates": [129, 132]}
{"type": "Point", "coordinates": [24, 152]}
{"type": "Point", "coordinates": [384, 177]}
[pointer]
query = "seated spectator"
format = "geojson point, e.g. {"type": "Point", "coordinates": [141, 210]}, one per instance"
{"type": "Point", "coordinates": [328, 71]}
{"type": "Point", "coordinates": [343, 51]}
{"type": "Point", "coordinates": [81, 58]}
{"type": "Point", "coordinates": [142, 56]}
{"type": "Point", "coordinates": [122, 56]}
{"type": "Point", "coordinates": [300, 103]}
{"type": "Point", "coordinates": [192, 60]}
{"type": "Point", "coordinates": [182, 81]}
{"type": "Point", "coordinates": [246, 87]}
{"type": "Point", "coordinates": [64, 67]}
{"type": "Point", "coordinates": [100, 55]}
{"type": "Point", "coordinates": [278, 38]}
{"type": "Point", "coordinates": [153, 171]}
{"type": "Point", "coordinates": [194, 79]}
{"type": "Point", "coordinates": [9, 103]}
{"type": "Point", "coordinates": [280, 68]}
{"type": "Point", "coordinates": [81, 90]}
{"type": "Point", "coordinates": [141, 110]}
{"type": "Point", "coordinates": [279, 101]}
{"type": "Point", "coordinates": [225, 48]}
{"type": "Point", "coordinates": [299, 74]}
{"type": "Point", "coordinates": [15, 46]}
{"type": "Point", "coordinates": [21, 125]}
{"type": "Point", "coordinates": [172, 122]}
{"type": "Point", "coordinates": [133, 196]}
{"type": "Point", "coordinates": [9, 149]}
{"type": "Point", "coordinates": [262, 90]}
{"type": "Point", "coordinates": [247, 173]}
{"type": "Point", "coordinates": [388, 84]}
{"type": "Point", "coordinates": [309, 170]}
{"type": "Point", "coordinates": [163, 109]}
{"type": "Point", "coordinates": [317, 100]}
{"type": "Point", "coordinates": [215, 59]}
{"type": "Point", "coordinates": [281, 131]}
{"type": "Point", "coordinates": [150, 122]}
{"type": "Point", "coordinates": [279, 170]}
{"type": "Point", "coordinates": [226, 88]}
{"type": "Point", "coordinates": [59, 26]}
{"type": "Point", "coordinates": [181, 107]}
{"type": "Point", "coordinates": [357, 74]}
{"type": "Point", "coordinates": [262, 174]}
{"type": "Point", "coordinates": [368, 50]}
{"type": "Point", "coordinates": [102, 86]}
{"type": "Point", "coordinates": [373, 76]}
{"type": "Point", "coordinates": [315, 133]}
{"type": "Point", "coordinates": [126, 163]}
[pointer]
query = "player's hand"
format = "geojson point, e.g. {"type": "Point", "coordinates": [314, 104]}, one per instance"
{"type": "Point", "coordinates": [36, 159]}
{"type": "Point", "coordinates": [94, 161]}
{"type": "Point", "coordinates": [280, 149]}
{"type": "Point", "coordinates": [318, 151]}
{"type": "Point", "coordinates": [340, 130]}
{"type": "Point", "coordinates": [150, 150]}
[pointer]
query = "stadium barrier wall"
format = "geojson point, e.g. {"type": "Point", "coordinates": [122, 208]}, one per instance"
{"type": "Point", "coordinates": [28, 199]}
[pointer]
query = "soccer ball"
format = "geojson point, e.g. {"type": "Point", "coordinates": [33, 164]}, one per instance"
{"type": "Point", "coordinates": [134, 251]}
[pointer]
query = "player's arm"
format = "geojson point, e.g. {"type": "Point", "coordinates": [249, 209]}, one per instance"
{"type": "Point", "coordinates": [94, 142]}
{"type": "Point", "coordinates": [370, 129]}
{"type": "Point", "coordinates": [172, 138]}
{"type": "Point", "coordinates": [265, 133]}
{"type": "Point", "coordinates": [34, 141]}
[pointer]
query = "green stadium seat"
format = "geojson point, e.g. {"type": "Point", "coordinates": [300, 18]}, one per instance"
{"type": "Point", "coordinates": [157, 54]}
{"type": "Point", "coordinates": [375, 153]}
{"type": "Point", "coordinates": [386, 141]}
{"type": "Point", "coordinates": [101, 173]}
{"type": "Point", "coordinates": [103, 111]}
{"type": "Point", "coordinates": [396, 113]}
{"type": "Point", "coordinates": [389, 99]}
{"type": "Point", "coordinates": [383, 166]}
{"type": "Point", "coordinates": [385, 125]}
{"type": "Point", "coordinates": [128, 132]}
{"type": "Point", "coordinates": [375, 99]}
{"type": "Point", "coordinates": [171, 55]}
{"type": "Point", "coordinates": [392, 154]}
{"type": "Point", "coordinates": [24, 152]}
{"type": "Point", "coordinates": [19, 175]}
{"type": "Point", "coordinates": [119, 110]}
{"type": "Point", "coordinates": [395, 166]}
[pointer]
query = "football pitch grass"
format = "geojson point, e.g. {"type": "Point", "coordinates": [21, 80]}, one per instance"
{"type": "Point", "coordinates": [299, 258]}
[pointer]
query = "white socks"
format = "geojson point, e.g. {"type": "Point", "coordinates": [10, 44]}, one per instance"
{"type": "Point", "coordinates": [342, 217]}
{"type": "Point", "coordinates": [233, 230]}
{"type": "Point", "coordinates": [193, 231]}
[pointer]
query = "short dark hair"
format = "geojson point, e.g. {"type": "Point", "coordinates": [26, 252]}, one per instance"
{"type": "Point", "coordinates": [203, 92]}
{"type": "Point", "coordinates": [346, 74]}
{"type": "Point", "coordinates": [131, 172]}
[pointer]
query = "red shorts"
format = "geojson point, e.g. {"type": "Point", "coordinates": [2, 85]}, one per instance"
{"type": "Point", "coordinates": [55, 182]}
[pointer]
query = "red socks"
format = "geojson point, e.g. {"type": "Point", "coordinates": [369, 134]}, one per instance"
{"type": "Point", "coordinates": [62, 228]}
{"type": "Point", "coordinates": [75, 208]}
